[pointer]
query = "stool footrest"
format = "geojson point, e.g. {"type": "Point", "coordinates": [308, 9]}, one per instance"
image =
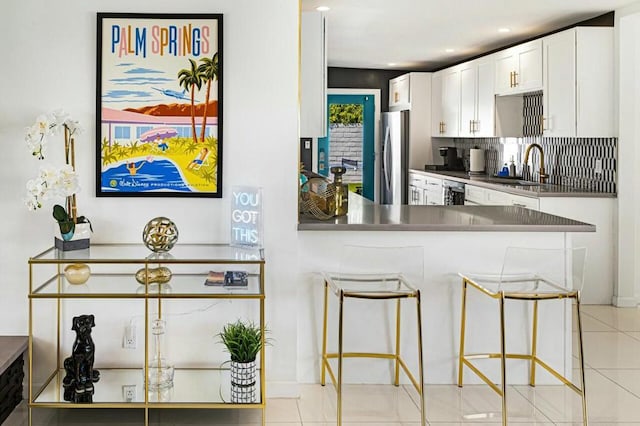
{"type": "Point", "coordinates": [329, 356]}
{"type": "Point", "coordinates": [466, 359]}
{"type": "Point", "coordinates": [362, 355]}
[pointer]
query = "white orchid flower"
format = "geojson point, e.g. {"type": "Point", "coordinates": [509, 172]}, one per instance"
{"type": "Point", "coordinates": [51, 182]}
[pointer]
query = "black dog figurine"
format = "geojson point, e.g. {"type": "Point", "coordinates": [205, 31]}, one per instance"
{"type": "Point", "coordinates": [80, 377]}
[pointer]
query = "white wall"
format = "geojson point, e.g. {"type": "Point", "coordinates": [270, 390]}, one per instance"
{"type": "Point", "coordinates": [49, 59]}
{"type": "Point", "coordinates": [627, 291]}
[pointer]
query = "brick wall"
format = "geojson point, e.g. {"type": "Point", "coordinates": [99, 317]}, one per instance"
{"type": "Point", "coordinates": [345, 142]}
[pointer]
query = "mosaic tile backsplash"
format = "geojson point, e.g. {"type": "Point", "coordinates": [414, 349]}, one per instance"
{"type": "Point", "coordinates": [568, 161]}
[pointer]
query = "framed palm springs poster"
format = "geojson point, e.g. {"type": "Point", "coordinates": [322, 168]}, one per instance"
{"type": "Point", "coordinates": [159, 105]}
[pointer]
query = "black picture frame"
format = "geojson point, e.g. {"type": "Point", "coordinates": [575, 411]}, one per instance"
{"type": "Point", "coordinates": [159, 105]}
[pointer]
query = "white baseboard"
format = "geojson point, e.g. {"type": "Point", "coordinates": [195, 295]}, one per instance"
{"type": "Point", "coordinates": [283, 390]}
{"type": "Point", "coordinates": [624, 302]}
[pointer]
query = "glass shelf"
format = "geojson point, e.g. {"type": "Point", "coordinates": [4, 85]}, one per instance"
{"type": "Point", "coordinates": [198, 386]}
{"type": "Point", "coordinates": [125, 285]}
{"type": "Point", "coordinates": [113, 271]}
{"type": "Point", "coordinates": [138, 253]}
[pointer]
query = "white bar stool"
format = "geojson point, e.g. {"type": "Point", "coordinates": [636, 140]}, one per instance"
{"type": "Point", "coordinates": [375, 273]}
{"type": "Point", "coordinates": [527, 275]}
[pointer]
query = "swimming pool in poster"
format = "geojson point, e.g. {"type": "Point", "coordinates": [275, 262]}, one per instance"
{"type": "Point", "coordinates": [143, 175]}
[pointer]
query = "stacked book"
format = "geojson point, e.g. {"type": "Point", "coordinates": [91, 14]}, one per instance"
{"type": "Point", "coordinates": [237, 279]}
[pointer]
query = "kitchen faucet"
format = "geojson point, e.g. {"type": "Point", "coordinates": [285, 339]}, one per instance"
{"type": "Point", "coordinates": [543, 175]}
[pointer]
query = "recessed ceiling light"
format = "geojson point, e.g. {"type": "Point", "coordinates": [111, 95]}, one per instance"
{"type": "Point", "coordinates": [449, 50]}
{"type": "Point", "coordinates": [322, 8]}
{"type": "Point", "coordinates": [392, 64]}
{"type": "Point", "coordinates": [504, 30]}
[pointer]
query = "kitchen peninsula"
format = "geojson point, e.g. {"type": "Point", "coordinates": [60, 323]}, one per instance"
{"type": "Point", "coordinates": [365, 215]}
{"type": "Point", "coordinates": [455, 238]}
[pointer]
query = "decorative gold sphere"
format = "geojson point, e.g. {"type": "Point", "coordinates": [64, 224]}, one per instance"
{"type": "Point", "coordinates": [160, 234]}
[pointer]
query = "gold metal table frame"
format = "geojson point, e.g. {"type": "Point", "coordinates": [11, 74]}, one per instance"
{"type": "Point", "coordinates": [187, 285]}
{"type": "Point", "coordinates": [359, 286]}
{"type": "Point", "coordinates": [535, 297]}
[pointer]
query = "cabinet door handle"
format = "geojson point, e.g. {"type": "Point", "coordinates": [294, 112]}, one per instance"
{"type": "Point", "coordinates": [476, 126]}
{"type": "Point", "coordinates": [519, 205]}
{"type": "Point", "coordinates": [511, 79]}
{"type": "Point", "coordinates": [515, 79]}
{"type": "Point", "coordinates": [542, 126]}
{"type": "Point", "coordinates": [470, 126]}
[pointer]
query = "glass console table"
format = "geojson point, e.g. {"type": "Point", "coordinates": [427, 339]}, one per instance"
{"type": "Point", "coordinates": [114, 294]}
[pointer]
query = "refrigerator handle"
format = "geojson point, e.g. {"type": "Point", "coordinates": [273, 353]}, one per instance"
{"type": "Point", "coordinates": [386, 160]}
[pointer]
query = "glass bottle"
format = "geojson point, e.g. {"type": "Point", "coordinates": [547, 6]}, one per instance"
{"type": "Point", "coordinates": [341, 191]}
{"type": "Point", "coordinates": [160, 373]}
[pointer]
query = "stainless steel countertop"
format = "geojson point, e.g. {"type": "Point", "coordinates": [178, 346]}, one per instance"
{"type": "Point", "coordinates": [489, 182]}
{"type": "Point", "coordinates": [367, 216]}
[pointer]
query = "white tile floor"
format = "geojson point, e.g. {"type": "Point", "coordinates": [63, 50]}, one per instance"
{"type": "Point", "coordinates": [612, 355]}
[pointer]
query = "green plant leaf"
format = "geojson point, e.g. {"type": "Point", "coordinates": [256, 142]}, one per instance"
{"type": "Point", "coordinates": [242, 340]}
{"type": "Point", "coordinates": [60, 214]}
{"type": "Point", "coordinates": [67, 226]}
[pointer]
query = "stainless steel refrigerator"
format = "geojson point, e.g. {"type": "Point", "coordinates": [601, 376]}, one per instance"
{"type": "Point", "coordinates": [395, 158]}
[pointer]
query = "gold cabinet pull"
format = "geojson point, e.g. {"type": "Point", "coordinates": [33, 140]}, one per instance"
{"type": "Point", "coordinates": [470, 126]}
{"type": "Point", "coordinates": [542, 127]}
{"type": "Point", "coordinates": [511, 79]}
{"type": "Point", "coordinates": [515, 79]}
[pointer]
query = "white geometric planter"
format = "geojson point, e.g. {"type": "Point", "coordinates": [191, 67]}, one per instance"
{"type": "Point", "coordinates": [243, 382]}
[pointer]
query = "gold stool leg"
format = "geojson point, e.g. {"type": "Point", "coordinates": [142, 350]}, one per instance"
{"type": "Point", "coordinates": [396, 380]}
{"type": "Point", "coordinates": [503, 361]}
{"type": "Point", "coordinates": [324, 336]}
{"type": "Point", "coordinates": [340, 351]}
{"type": "Point", "coordinates": [420, 360]}
{"type": "Point", "coordinates": [462, 330]}
{"type": "Point", "coordinates": [585, 418]}
{"type": "Point", "coordinates": [534, 344]}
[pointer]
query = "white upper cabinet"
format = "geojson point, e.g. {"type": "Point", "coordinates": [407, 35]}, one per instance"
{"type": "Point", "coordinates": [578, 83]}
{"type": "Point", "coordinates": [399, 93]}
{"type": "Point", "coordinates": [436, 104]}
{"type": "Point", "coordinates": [450, 102]}
{"type": "Point", "coordinates": [519, 68]}
{"type": "Point", "coordinates": [468, 92]}
{"type": "Point", "coordinates": [412, 92]}
{"type": "Point", "coordinates": [313, 75]}
{"type": "Point", "coordinates": [445, 102]}
{"type": "Point", "coordinates": [477, 98]}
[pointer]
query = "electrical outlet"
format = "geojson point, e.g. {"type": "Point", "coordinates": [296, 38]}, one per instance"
{"type": "Point", "coordinates": [129, 393]}
{"type": "Point", "coordinates": [129, 339]}
{"type": "Point", "coordinates": [598, 166]}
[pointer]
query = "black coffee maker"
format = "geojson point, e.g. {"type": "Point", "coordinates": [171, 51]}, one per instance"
{"type": "Point", "coordinates": [450, 156]}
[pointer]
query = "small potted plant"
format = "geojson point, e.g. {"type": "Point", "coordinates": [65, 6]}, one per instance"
{"type": "Point", "coordinates": [243, 341]}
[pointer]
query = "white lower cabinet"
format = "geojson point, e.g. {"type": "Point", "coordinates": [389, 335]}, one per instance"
{"type": "Point", "coordinates": [425, 190]}
{"type": "Point", "coordinates": [475, 195]}
{"type": "Point", "coordinates": [415, 195]}
{"type": "Point", "coordinates": [600, 271]}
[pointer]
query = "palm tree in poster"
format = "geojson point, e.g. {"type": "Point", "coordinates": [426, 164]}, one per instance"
{"type": "Point", "coordinates": [209, 69]}
{"type": "Point", "coordinates": [190, 79]}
